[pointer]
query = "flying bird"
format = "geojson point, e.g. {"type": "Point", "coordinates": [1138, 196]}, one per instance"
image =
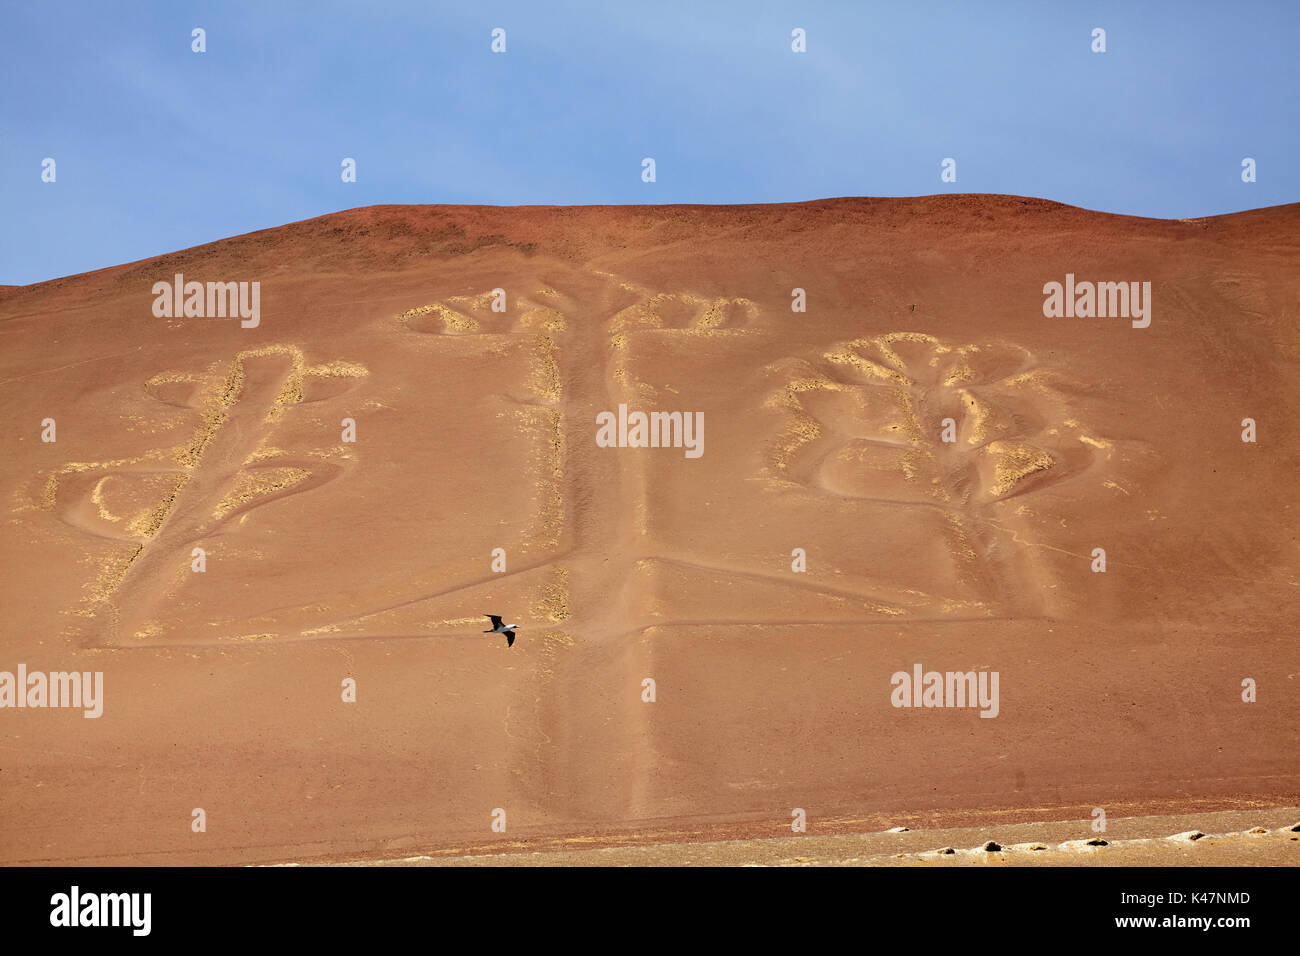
{"type": "Point", "coordinates": [498, 628]}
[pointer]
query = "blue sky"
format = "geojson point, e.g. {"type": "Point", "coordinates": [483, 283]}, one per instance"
{"type": "Point", "coordinates": [159, 148]}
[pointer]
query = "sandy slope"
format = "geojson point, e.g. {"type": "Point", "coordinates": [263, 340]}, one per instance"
{"type": "Point", "coordinates": [476, 430]}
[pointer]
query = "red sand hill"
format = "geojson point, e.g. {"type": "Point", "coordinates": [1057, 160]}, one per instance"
{"type": "Point", "coordinates": [475, 430]}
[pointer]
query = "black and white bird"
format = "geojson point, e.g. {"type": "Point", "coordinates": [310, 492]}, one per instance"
{"type": "Point", "coordinates": [498, 628]}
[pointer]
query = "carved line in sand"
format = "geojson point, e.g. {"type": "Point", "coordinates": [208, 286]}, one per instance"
{"type": "Point", "coordinates": [165, 502]}
{"type": "Point", "coordinates": [675, 314]}
{"type": "Point", "coordinates": [473, 315]}
{"type": "Point", "coordinates": [862, 421]}
{"type": "Point", "coordinates": [469, 319]}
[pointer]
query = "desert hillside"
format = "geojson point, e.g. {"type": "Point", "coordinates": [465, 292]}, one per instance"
{"type": "Point", "coordinates": [473, 350]}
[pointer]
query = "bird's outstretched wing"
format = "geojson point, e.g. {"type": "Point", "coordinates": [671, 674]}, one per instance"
{"type": "Point", "coordinates": [510, 638]}
{"type": "Point", "coordinates": [494, 618]}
